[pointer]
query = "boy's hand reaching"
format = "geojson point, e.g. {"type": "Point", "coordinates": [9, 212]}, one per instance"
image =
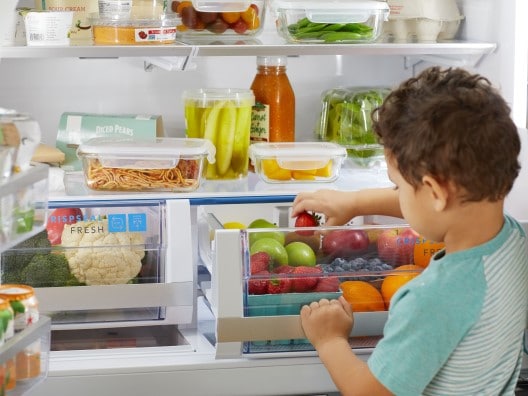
{"type": "Point", "coordinates": [332, 203]}
{"type": "Point", "coordinates": [326, 320]}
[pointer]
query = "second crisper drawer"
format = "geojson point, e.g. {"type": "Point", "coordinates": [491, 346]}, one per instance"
{"type": "Point", "coordinates": [109, 262]}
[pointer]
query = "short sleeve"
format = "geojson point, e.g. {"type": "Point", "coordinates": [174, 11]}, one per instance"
{"type": "Point", "coordinates": [429, 316]}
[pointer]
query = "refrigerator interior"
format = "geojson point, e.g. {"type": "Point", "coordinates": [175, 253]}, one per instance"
{"type": "Point", "coordinates": [140, 355]}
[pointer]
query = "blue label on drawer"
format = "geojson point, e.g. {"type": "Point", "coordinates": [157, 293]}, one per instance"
{"type": "Point", "coordinates": [137, 222]}
{"type": "Point", "coordinates": [116, 223]}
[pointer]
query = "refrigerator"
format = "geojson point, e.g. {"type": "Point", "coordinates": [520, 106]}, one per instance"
{"type": "Point", "coordinates": [183, 330]}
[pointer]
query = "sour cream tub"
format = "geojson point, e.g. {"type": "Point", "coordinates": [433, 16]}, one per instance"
{"type": "Point", "coordinates": [48, 27]}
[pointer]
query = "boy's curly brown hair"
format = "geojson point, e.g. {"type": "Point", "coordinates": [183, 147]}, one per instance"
{"type": "Point", "coordinates": [454, 126]}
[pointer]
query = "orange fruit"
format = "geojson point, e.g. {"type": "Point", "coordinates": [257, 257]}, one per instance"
{"type": "Point", "coordinates": [392, 282]}
{"type": "Point", "coordinates": [362, 296]}
{"type": "Point", "coordinates": [230, 17]}
{"type": "Point", "coordinates": [424, 249]}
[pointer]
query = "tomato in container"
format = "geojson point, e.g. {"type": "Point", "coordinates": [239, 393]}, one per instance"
{"type": "Point", "coordinates": [206, 18]}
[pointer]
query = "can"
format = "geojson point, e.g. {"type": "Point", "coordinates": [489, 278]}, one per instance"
{"type": "Point", "coordinates": [24, 303]}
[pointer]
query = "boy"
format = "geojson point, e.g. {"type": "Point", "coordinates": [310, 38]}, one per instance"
{"type": "Point", "coordinates": [451, 151]}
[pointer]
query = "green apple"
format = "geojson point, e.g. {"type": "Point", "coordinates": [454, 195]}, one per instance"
{"type": "Point", "coordinates": [262, 223]}
{"type": "Point", "coordinates": [300, 254]}
{"type": "Point", "coordinates": [273, 247]}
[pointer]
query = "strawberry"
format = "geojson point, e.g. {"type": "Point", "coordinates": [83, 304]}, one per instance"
{"type": "Point", "coordinates": [279, 285]}
{"type": "Point", "coordinates": [259, 284]}
{"type": "Point", "coordinates": [307, 219]}
{"type": "Point", "coordinates": [260, 261]}
{"type": "Point", "coordinates": [302, 281]}
{"type": "Point", "coordinates": [283, 269]}
{"type": "Point", "coordinates": [327, 284]}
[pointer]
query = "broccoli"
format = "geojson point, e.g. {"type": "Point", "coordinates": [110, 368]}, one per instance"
{"type": "Point", "coordinates": [48, 270]}
{"type": "Point", "coordinates": [14, 260]}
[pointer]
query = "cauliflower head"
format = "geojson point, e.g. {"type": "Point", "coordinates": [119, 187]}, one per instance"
{"type": "Point", "coordinates": [99, 257]}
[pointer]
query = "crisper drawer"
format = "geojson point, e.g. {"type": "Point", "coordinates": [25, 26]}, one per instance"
{"type": "Point", "coordinates": [102, 263]}
{"type": "Point", "coordinates": [262, 277]}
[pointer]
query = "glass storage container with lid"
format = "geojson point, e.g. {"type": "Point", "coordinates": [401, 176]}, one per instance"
{"type": "Point", "coordinates": [303, 162]}
{"type": "Point", "coordinates": [340, 21]}
{"type": "Point", "coordinates": [116, 163]}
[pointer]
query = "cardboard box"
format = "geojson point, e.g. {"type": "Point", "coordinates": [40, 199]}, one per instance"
{"type": "Point", "coordinates": [76, 128]}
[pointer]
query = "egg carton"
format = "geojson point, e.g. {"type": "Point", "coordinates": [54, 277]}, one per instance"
{"type": "Point", "coordinates": [420, 30]}
{"type": "Point", "coordinates": [422, 20]}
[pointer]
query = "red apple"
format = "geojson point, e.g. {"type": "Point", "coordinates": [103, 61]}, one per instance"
{"type": "Point", "coordinates": [344, 243]}
{"type": "Point", "coordinates": [396, 246]}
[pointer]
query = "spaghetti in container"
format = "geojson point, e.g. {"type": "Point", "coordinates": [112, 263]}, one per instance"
{"type": "Point", "coordinates": [116, 163]}
{"type": "Point", "coordinates": [26, 312]}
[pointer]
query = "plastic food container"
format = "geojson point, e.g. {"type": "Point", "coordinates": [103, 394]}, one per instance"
{"type": "Point", "coordinates": [302, 162]}
{"type": "Point", "coordinates": [422, 20]}
{"type": "Point", "coordinates": [341, 21]}
{"type": "Point", "coordinates": [364, 263]}
{"type": "Point", "coordinates": [218, 18]}
{"type": "Point", "coordinates": [223, 117]}
{"type": "Point", "coordinates": [122, 30]}
{"type": "Point", "coordinates": [160, 164]}
{"type": "Point", "coordinates": [346, 119]}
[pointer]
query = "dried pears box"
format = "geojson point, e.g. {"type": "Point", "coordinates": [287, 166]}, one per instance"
{"type": "Point", "coordinates": [76, 128]}
{"type": "Point", "coordinates": [81, 30]}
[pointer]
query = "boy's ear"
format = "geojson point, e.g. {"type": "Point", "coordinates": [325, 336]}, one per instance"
{"type": "Point", "coordinates": [438, 192]}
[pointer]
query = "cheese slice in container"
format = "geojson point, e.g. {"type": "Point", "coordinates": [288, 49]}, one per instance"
{"type": "Point", "coordinates": [116, 163]}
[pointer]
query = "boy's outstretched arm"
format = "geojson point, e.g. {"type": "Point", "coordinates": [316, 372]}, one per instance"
{"type": "Point", "coordinates": [339, 207]}
{"type": "Point", "coordinates": [327, 325]}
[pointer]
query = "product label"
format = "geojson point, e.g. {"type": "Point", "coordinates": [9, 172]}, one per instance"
{"type": "Point", "coordinates": [155, 34]}
{"type": "Point", "coordinates": [81, 28]}
{"type": "Point", "coordinates": [260, 122]}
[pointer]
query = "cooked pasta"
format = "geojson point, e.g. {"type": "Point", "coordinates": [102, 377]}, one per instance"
{"type": "Point", "coordinates": [184, 177]}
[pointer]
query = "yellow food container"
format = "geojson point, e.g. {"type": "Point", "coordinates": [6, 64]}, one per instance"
{"type": "Point", "coordinates": [302, 162]}
{"type": "Point", "coordinates": [119, 30]}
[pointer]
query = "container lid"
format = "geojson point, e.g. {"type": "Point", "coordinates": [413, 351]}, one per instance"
{"type": "Point", "coordinates": [221, 5]}
{"type": "Point", "coordinates": [148, 149]}
{"type": "Point", "coordinates": [205, 95]}
{"type": "Point", "coordinates": [272, 60]}
{"type": "Point", "coordinates": [336, 11]}
{"type": "Point", "coordinates": [164, 20]}
{"type": "Point", "coordinates": [297, 152]}
{"type": "Point", "coordinates": [14, 292]}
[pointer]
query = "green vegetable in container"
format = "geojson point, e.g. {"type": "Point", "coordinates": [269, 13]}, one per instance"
{"type": "Point", "coordinates": [330, 32]}
{"type": "Point", "coordinates": [48, 270]}
{"type": "Point", "coordinates": [346, 119]}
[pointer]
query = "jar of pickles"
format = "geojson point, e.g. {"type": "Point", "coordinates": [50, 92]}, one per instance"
{"type": "Point", "coordinates": [222, 116]}
{"type": "Point", "coordinates": [25, 307]}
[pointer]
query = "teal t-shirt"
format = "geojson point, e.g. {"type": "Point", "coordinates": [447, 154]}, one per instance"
{"type": "Point", "coordinates": [457, 329]}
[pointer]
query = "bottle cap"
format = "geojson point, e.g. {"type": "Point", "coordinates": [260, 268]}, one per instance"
{"type": "Point", "coordinates": [272, 60]}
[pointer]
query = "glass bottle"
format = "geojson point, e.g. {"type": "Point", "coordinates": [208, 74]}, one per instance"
{"type": "Point", "coordinates": [273, 116]}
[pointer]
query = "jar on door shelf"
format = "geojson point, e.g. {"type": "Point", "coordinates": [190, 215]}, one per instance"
{"type": "Point", "coordinates": [7, 330]}
{"type": "Point", "coordinates": [26, 312]}
{"type": "Point", "coordinates": [273, 115]}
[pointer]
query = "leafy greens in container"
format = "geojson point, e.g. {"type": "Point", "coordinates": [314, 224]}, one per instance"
{"type": "Point", "coordinates": [346, 119]}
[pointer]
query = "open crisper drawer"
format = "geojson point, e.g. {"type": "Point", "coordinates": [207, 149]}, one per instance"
{"type": "Point", "coordinates": [109, 263]}
{"type": "Point", "coordinates": [353, 260]}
